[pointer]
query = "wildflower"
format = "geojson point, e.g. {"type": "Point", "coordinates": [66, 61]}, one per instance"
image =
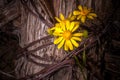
{"type": "Point", "coordinates": [84, 13]}
{"type": "Point", "coordinates": [63, 20]}
{"type": "Point", "coordinates": [66, 36]}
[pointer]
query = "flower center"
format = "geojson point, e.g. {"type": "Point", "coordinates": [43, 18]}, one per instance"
{"type": "Point", "coordinates": [84, 12]}
{"type": "Point", "coordinates": [67, 35]}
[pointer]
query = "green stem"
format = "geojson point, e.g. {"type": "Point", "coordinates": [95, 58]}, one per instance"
{"type": "Point", "coordinates": [80, 66]}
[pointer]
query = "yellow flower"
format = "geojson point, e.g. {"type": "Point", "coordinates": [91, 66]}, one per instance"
{"type": "Point", "coordinates": [84, 13]}
{"type": "Point", "coordinates": [66, 36]}
{"type": "Point", "coordinates": [63, 20]}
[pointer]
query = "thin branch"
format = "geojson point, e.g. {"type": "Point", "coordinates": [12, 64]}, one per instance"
{"type": "Point", "coordinates": [39, 57]}
{"type": "Point", "coordinates": [39, 64]}
{"type": "Point", "coordinates": [34, 50]}
{"type": "Point", "coordinates": [45, 5]}
{"type": "Point", "coordinates": [40, 47]}
{"type": "Point", "coordinates": [50, 72]}
{"type": "Point", "coordinates": [79, 49]}
{"type": "Point", "coordinates": [38, 15]}
{"type": "Point", "coordinates": [6, 74]}
{"type": "Point", "coordinates": [50, 69]}
{"type": "Point", "coordinates": [9, 13]}
{"type": "Point", "coordinates": [34, 42]}
{"type": "Point", "coordinates": [23, 50]}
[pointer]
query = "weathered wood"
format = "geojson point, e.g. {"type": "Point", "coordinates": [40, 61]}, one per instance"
{"type": "Point", "coordinates": [34, 29]}
{"type": "Point", "coordinates": [9, 13]}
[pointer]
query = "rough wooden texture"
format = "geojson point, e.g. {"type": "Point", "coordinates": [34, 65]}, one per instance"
{"type": "Point", "coordinates": [38, 53]}
{"type": "Point", "coordinates": [34, 29]}
{"type": "Point", "coordinates": [9, 13]}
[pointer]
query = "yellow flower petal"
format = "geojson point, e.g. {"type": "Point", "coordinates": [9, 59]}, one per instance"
{"type": "Point", "coordinates": [62, 26]}
{"type": "Point", "coordinates": [79, 17]}
{"type": "Point", "coordinates": [90, 17]}
{"type": "Point", "coordinates": [57, 19]}
{"type": "Point", "coordinates": [58, 29]}
{"type": "Point", "coordinates": [71, 26]}
{"type": "Point", "coordinates": [77, 34]}
{"type": "Point", "coordinates": [74, 43]}
{"type": "Point", "coordinates": [61, 44]}
{"type": "Point", "coordinates": [92, 14]}
{"type": "Point", "coordinates": [75, 28]}
{"type": "Point", "coordinates": [72, 18]}
{"type": "Point", "coordinates": [76, 12]}
{"type": "Point", "coordinates": [62, 16]}
{"type": "Point", "coordinates": [67, 25]}
{"type": "Point", "coordinates": [65, 46]}
{"type": "Point", "coordinates": [77, 38]}
{"type": "Point", "coordinates": [80, 7]}
{"type": "Point", "coordinates": [57, 34]}
{"type": "Point", "coordinates": [83, 18]}
{"type": "Point", "coordinates": [57, 25]}
{"type": "Point", "coordinates": [69, 44]}
{"type": "Point", "coordinates": [70, 15]}
{"type": "Point", "coordinates": [58, 40]}
{"type": "Point", "coordinates": [53, 28]}
{"type": "Point", "coordinates": [76, 22]}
